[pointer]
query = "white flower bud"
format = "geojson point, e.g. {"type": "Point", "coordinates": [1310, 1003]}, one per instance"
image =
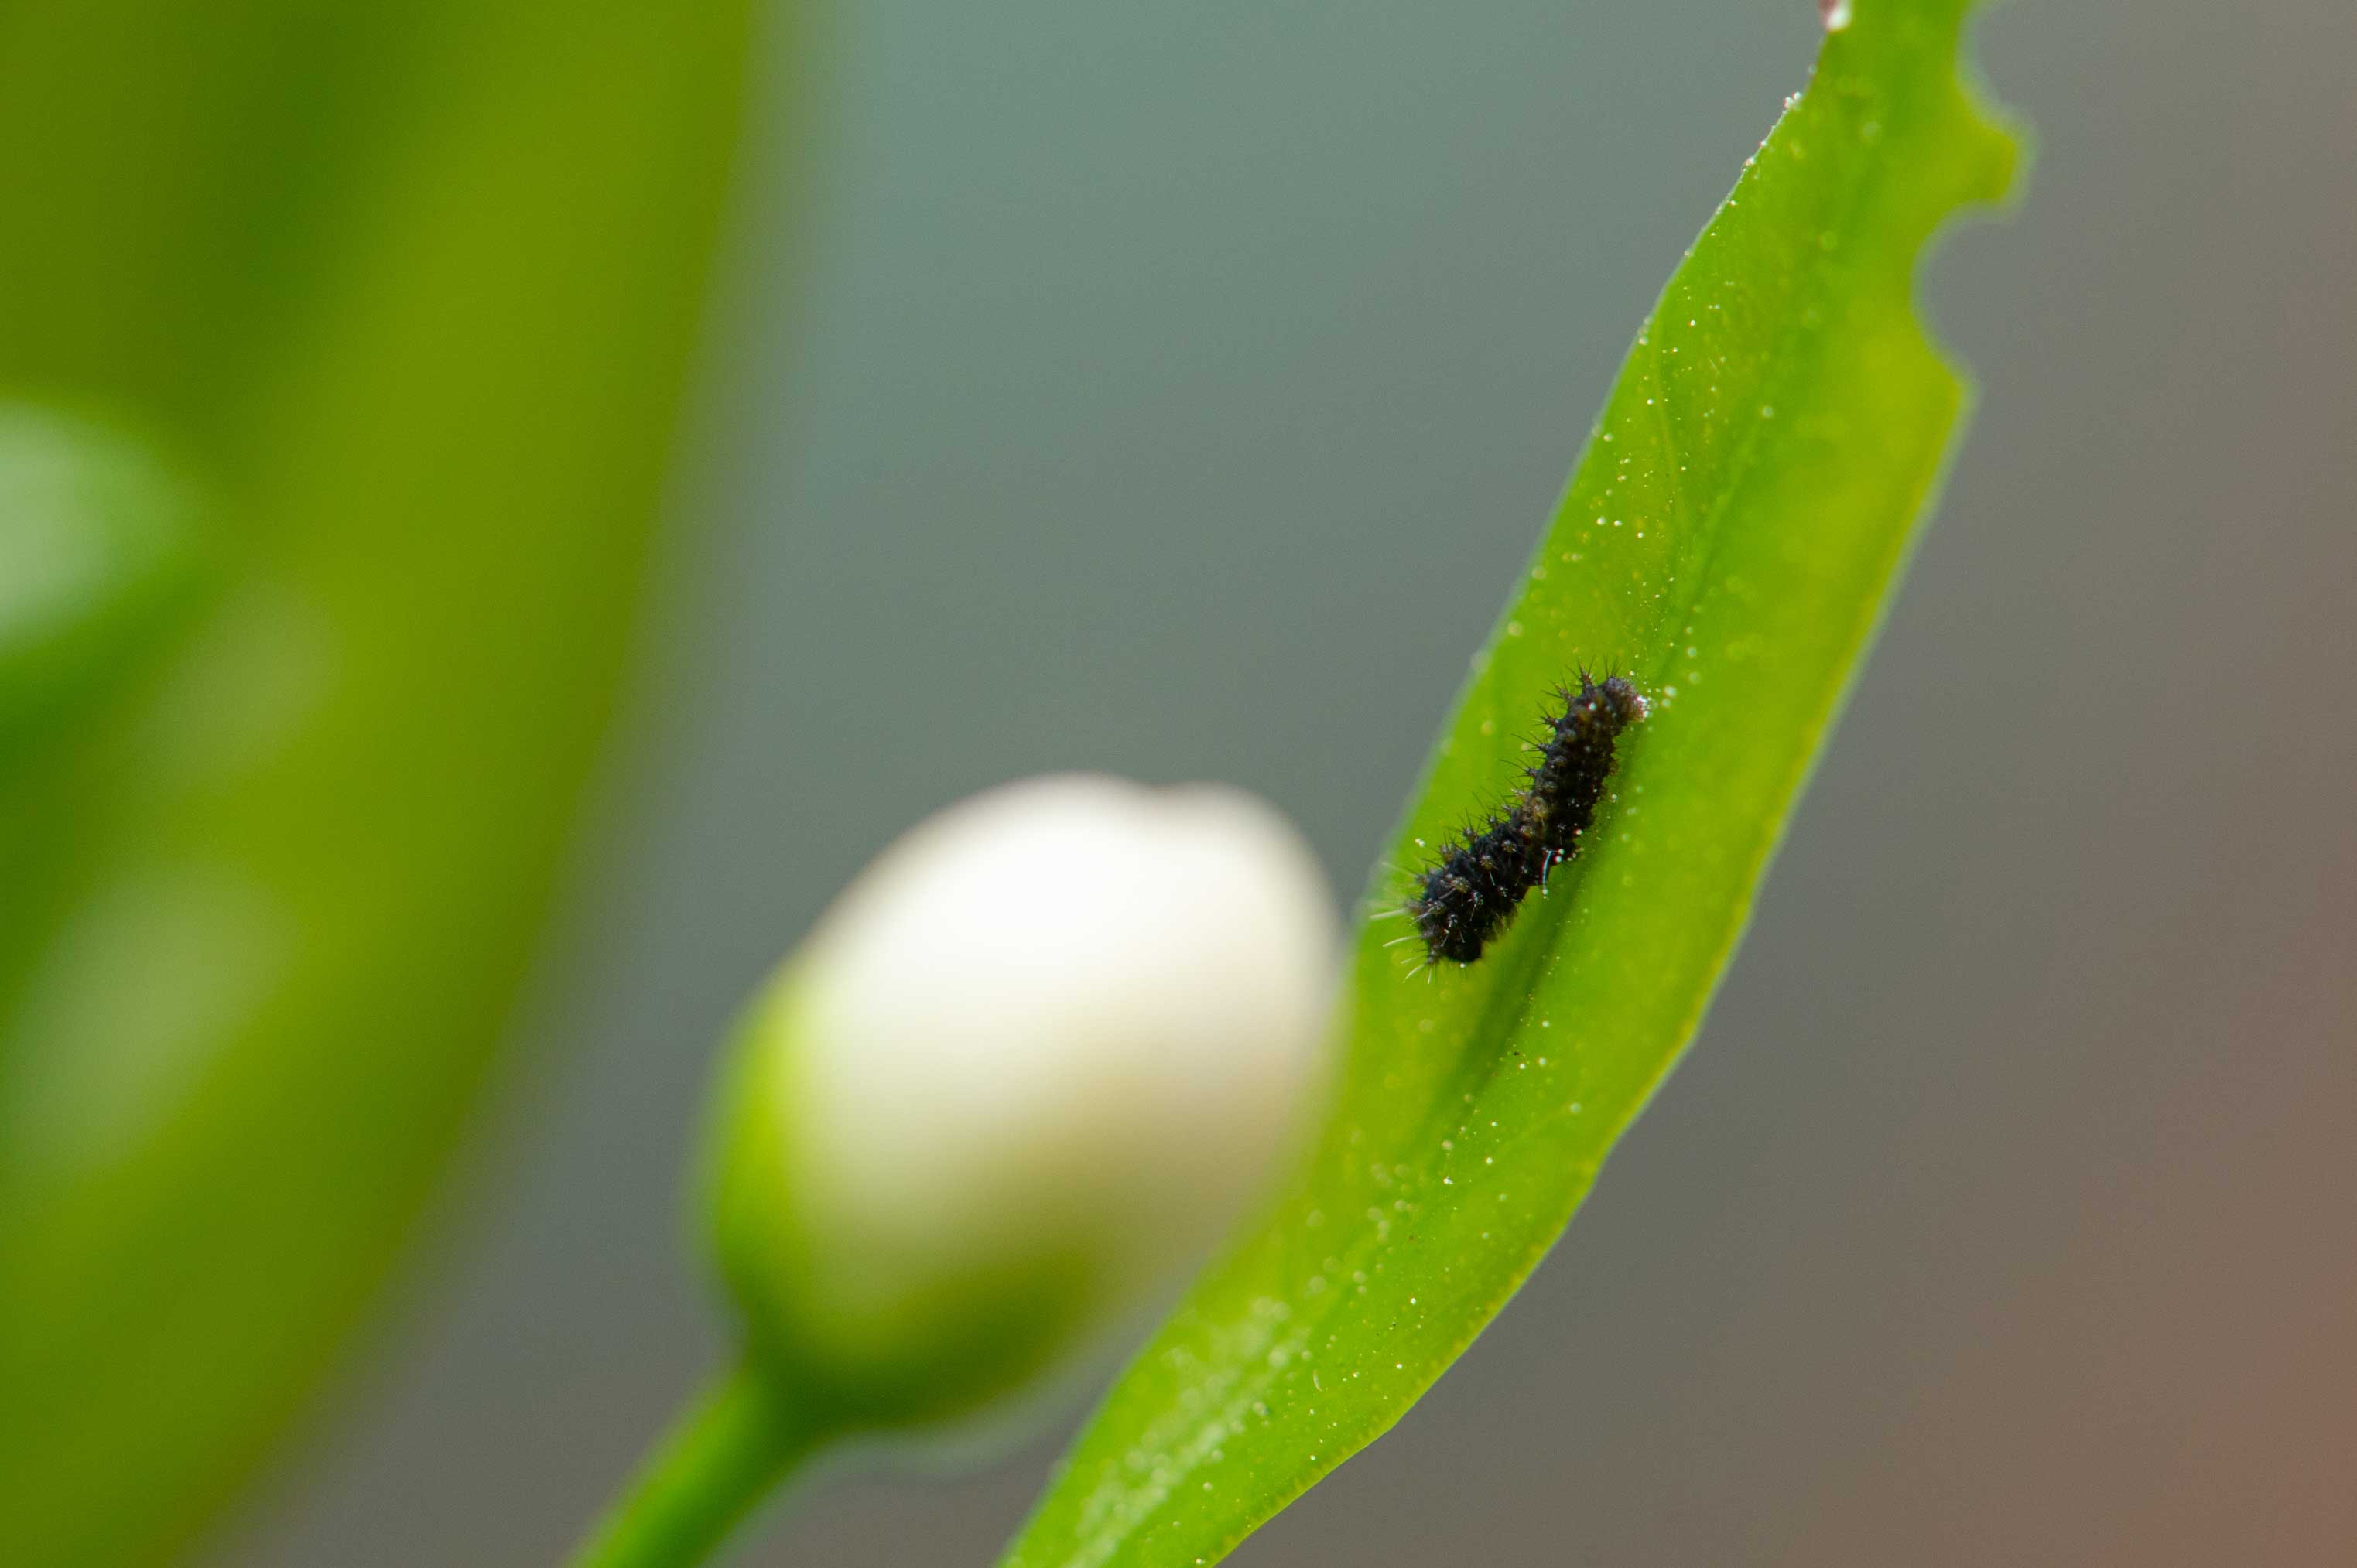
{"type": "Point", "coordinates": [1038, 1055]}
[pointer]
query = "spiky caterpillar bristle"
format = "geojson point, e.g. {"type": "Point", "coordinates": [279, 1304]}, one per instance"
{"type": "Point", "coordinates": [1467, 897]}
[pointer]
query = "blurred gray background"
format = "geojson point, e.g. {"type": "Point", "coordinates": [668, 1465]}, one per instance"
{"type": "Point", "coordinates": [1177, 390]}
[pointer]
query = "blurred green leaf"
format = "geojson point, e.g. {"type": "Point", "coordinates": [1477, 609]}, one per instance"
{"type": "Point", "coordinates": [407, 291]}
{"type": "Point", "coordinates": [1728, 540]}
{"type": "Point", "coordinates": [95, 564]}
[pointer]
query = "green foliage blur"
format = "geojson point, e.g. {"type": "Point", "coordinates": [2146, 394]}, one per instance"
{"type": "Point", "coordinates": [340, 348]}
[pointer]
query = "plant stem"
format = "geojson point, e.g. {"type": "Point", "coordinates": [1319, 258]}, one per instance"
{"type": "Point", "coordinates": [726, 1452]}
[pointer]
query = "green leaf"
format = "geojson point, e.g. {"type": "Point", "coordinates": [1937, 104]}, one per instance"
{"type": "Point", "coordinates": [407, 291]}
{"type": "Point", "coordinates": [1727, 541]}
{"type": "Point", "coordinates": [95, 567]}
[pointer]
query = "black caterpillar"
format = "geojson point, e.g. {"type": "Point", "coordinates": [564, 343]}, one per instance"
{"type": "Point", "coordinates": [1469, 894]}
